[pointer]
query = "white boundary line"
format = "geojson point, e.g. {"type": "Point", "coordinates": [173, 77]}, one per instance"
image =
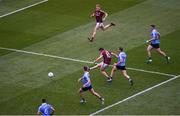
{"type": "Point", "coordinates": [77, 60]}
{"type": "Point", "coordinates": [137, 94]}
{"type": "Point", "coordinates": [10, 13]}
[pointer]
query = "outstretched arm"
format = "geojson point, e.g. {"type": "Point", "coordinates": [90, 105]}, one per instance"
{"type": "Point", "coordinates": [114, 54]}
{"type": "Point", "coordinates": [98, 58]}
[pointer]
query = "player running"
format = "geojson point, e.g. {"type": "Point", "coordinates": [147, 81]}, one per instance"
{"type": "Point", "coordinates": [100, 18]}
{"type": "Point", "coordinates": [87, 86]}
{"type": "Point", "coordinates": [121, 65]}
{"type": "Point", "coordinates": [154, 44]}
{"type": "Point", "coordinates": [106, 56]}
{"type": "Point", "coordinates": [45, 109]}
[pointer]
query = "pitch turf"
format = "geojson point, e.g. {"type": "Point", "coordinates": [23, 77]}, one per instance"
{"type": "Point", "coordinates": [61, 28]}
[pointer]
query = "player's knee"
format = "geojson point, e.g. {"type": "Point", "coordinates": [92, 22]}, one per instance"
{"type": "Point", "coordinates": [114, 68]}
{"type": "Point", "coordinates": [102, 69]}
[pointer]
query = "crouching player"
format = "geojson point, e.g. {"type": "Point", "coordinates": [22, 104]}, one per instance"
{"type": "Point", "coordinates": [106, 56]}
{"type": "Point", "coordinates": [87, 86]}
{"type": "Point", "coordinates": [120, 65]}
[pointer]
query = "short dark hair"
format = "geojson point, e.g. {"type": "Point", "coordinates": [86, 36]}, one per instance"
{"type": "Point", "coordinates": [120, 48]}
{"type": "Point", "coordinates": [153, 26]}
{"type": "Point", "coordinates": [86, 68]}
{"type": "Point", "coordinates": [101, 49]}
{"type": "Point", "coordinates": [43, 100]}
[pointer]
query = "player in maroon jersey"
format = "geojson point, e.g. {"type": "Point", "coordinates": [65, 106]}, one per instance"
{"type": "Point", "coordinates": [100, 17]}
{"type": "Point", "coordinates": [106, 56]}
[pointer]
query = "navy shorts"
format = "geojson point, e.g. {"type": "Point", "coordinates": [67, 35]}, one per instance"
{"type": "Point", "coordinates": [121, 67]}
{"type": "Point", "coordinates": [156, 46]}
{"type": "Point", "coordinates": [86, 88]}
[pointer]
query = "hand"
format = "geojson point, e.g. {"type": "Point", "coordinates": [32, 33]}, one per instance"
{"type": "Point", "coordinates": [84, 86]}
{"type": "Point", "coordinates": [79, 79]}
{"type": "Point", "coordinates": [114, 64]}
{"type": "Point", "coordinates": [104, 19]}
{"type": "Point", "coordinates": [147, 41]}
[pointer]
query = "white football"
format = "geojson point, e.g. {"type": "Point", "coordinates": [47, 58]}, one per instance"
{"type": "Point", "coordinates": [50, 74]}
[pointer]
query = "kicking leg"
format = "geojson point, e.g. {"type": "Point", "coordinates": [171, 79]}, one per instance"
{"type": "Point", "coordinates": [96, 66]}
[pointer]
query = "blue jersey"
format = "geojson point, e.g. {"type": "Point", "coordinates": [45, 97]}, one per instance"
{"type": "Point", "coordinates": [85, 79]}
{"type": "Point", "coordinates": [155, 34]}
{"type": "Point", "coordinates": [45, 109]}
{"type": "Point", "coordinates": [122, 59]}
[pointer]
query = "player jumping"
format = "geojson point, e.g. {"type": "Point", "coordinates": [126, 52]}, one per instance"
{"type": "Point", "coordinates": [87, 86]}
{"type": "Point", "coordinates": [121, 65]}
{"type": "Point", "coordinates": [100, 17]}
{"type": "Point", "coordinates": [154, 43]}
{"type": "Point", "coordinates": [106, 56]}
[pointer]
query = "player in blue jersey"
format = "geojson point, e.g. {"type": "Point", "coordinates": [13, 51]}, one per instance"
{"type": "Point", "coordinates": [121, 65]}
{"type": "Point", "coordinates": [155, 43]}
{"type": "Point", "coordinates": [87, 86]}
{"type": "Point", "coordinates": [45, 109]}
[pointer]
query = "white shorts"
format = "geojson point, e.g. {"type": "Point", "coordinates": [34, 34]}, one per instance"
{"type": "Point", "coordinates": [102, 65]}
{"type": "Point", "coordinates": [99, 25]}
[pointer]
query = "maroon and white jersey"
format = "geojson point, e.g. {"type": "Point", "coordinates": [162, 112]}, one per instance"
{"type": "Point", "coordinates": [99, 14]}
{"type": "Point", "coordinates": [107, 56]}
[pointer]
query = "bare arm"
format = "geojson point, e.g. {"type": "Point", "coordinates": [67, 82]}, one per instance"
{"type": "Point", "coordinates": [98, 58]}
{"type": "Point", "coordinates": [92, 15]}
{"type": "Point", "coordinates": [114, 54]}
{"type": "Point", "coordinates": [79, 79]}
{"type": "Point", "coordinates": [38, 113]}
{"type": "Point", "coordinates": [150, 40]}
{"type": "Point", "coordinates": [153, 38]}
{"type": "Point", "coordinates": [105, 15]}
{"type": "Point", "coordinates": [53, 110]}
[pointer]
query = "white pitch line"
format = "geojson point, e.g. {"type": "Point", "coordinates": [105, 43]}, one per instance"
{"type": "Point", "coordinates": [137, 94]}
{"type": "Point", "coordinates": [153, 72]}
{"type": "Point", "coordinates": [77, 60]}
{"type": "Point", "coordinates": [10, 13]}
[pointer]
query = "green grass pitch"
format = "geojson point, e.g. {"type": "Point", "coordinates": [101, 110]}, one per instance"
{"type": "Point", "coordinates": [61, 28]}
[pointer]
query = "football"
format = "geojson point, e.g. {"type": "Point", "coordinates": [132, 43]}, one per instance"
{"type": "Point", "coordinates": [50, 74]}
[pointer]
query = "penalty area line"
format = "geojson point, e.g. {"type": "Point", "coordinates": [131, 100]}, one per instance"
{"type": "Point", "coordinates": [137, 94]}
{"type": "Point", "coordinates": [24, 8]}
{"type": "Point", "coordinates": [77, 60]}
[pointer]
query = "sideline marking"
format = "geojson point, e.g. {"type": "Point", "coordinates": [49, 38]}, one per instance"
{"type": "Point", "coordinates": [24, 8]}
